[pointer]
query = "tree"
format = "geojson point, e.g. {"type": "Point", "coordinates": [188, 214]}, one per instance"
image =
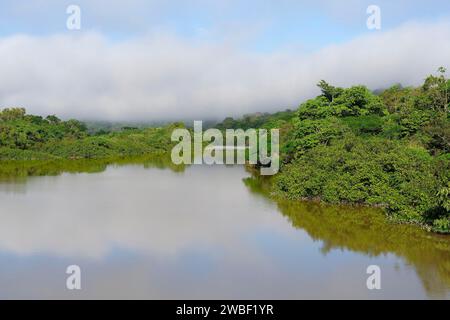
{"type": "Point", "coordinates": [53, 119]}
{"type": "Point", "coordinates": [328, 91]}
{"type": "Point", "coordinates": [444, 197]}
{"type": "Point", "coordinates": [9, 114]}
{"type": "Point", "coordinates": [437, 89]}
{"type": "Point", "coordinates": [356, 101]}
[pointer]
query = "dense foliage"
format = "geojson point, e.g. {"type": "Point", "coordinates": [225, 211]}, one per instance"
{"type": "Point", "coordinates": [29, 137]}
{"type": "Point", "coordinates": [390, 150]}
{"type": "Point", "coordinates": [257, 120]}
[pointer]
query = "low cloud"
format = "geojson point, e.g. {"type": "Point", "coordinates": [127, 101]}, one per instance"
{"type": "Point", "coordinates": [164, 77]}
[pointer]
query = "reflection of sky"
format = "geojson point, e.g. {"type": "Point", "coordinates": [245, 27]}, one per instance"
{"type": "Point", "coordinates": [158, 234]}
{"type": "Point", "coordinates": [144, 210]}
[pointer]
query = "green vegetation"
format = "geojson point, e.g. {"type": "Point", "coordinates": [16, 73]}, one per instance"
{"type": "Point", "coordinates": [389, 150]}
{"type": "Point", "coordinates": [348, 145]}
{"type": "Point", "coordinates": [258, 120]}
{"type": "Point", "coordinates": [104, 127]}
{"type": "Point", "coordinates": [29, 137]}
{"type": "Point", "coordinates": [18, 171]}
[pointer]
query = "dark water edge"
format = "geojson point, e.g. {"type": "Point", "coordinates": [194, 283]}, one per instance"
{"type": "Point", "coordinates": [19, 171]}
{"type": "Point", "coordinates": [357, 229]}
{"type": "Point", "coordinates": [368, 231]}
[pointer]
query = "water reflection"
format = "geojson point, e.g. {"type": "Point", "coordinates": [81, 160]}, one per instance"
{"type": "Point", "coordinates": [149, 229]}
{"type": "Point", "coordinates": [366, 230]}
{"type": "Point", "coordinates": [19, 171]}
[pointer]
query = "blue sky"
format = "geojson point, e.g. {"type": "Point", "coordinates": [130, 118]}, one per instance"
{"type": "Point", "coordinates": [259, 25]}
{"type": "Point", "coordinates": [155, 59]}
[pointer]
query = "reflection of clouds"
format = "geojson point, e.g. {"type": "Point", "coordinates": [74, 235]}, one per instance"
{"type": "Point", "coordinates": [128, 207]}
{"type": "Point", "coordinates": [236, 274]}
{"type": "Point", "coordinates": [13, 187]}
{"type": "Point", "coordinates": [158, 234]}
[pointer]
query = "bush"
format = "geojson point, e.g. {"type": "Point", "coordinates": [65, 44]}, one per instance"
{"type": "Point", "coordinates": [369, 171]}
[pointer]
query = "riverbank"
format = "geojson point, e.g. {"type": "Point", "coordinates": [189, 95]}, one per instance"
{"type": "Point", "coordinates": [145, 221]}
{"type": "Point", "coordinates": [389, 149]}
{"type": "Point", "coordinates": [270, 187]}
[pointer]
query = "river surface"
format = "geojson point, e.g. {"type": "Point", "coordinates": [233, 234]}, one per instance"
{"type": "Point", "coordinates": [151, 231]}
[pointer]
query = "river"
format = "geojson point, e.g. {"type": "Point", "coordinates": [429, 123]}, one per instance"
{"type": "Point", "coordinates": [149, 230]}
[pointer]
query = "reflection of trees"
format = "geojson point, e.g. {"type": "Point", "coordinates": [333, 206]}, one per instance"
{"type": "Point", "coordinates": [366, 230]}
{"type": "Point", "coordinates": [19, 170]}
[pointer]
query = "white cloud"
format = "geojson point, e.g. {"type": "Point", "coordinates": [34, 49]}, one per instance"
{"type": "Point", "coordinates": [167, 77]}
{"type": "Point", "coordinates": [60, 218]}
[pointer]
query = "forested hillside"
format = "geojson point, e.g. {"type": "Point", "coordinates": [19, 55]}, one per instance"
{"type": "Point", "coordinates": [29, 137]}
